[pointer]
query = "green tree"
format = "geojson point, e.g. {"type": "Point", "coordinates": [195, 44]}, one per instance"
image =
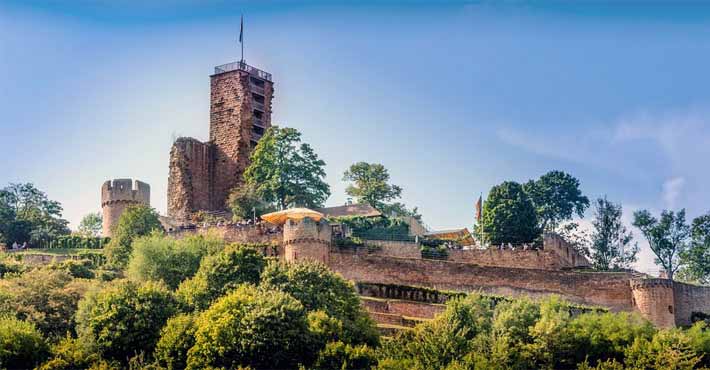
{"type": "Point", "coordinates": [37, 218]}
{"type": "Point", "coordinates": [44, 297]}
{"type": "Point", "coordinates": [91, 225]}
{"type": "Point", "coordinates": [244, 202]}
{"type": "Point", "coordinates": [696, 259]}
{"type": "Point", "coordinates": [21, 345]}
{"type": "Point", "coordinates": [509, 215]}
{"type": "Point", "coordinates": [176, 338]}
{"type": "Point", "coordinates": [161, 258]}
{"type": "Point", "coordinates": [262, 329]}
{"type": "Point", "coordinates": [220, 273]}
{"type": "Point", "coordinates": [286, 171]}
{"type": "Point", "coordinates": [136, 221]}
{"type": "Point", "coordinates": [125, 318]}
{"type": "Point", "coordinates": [556, 197]}
{"type": "Point", "coordinates": [610, 239]}
{"type": "Point", "coordinates": [668, 237]}
{"type": "Point", "coordinates": [370, 184]}
{"type": "Point", "coordinates": [319, 288]}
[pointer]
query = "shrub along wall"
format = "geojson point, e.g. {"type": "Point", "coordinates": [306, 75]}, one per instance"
{"type": "Point", "coordinates": [76, 241]}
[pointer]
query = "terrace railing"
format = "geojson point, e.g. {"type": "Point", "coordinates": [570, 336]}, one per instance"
{"type": "Point", "coordinates": [241, 66]}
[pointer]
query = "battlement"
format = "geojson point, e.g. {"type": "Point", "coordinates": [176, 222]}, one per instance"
{"type": "Point", "coordinates": [307, 239]}
{"type": "Point", "coordinates": [651, 284]}
{"type": "Point", "coordinates": [125, 190]}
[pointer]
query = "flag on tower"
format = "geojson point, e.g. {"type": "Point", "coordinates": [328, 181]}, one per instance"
{"type": "Point", "coordinates": [241, 30]}
{"type": "Point", "coordinates": [479, 203]}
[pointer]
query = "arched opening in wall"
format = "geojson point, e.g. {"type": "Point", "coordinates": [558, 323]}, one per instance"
{"type": "Point", "coordinates": [670, 309]}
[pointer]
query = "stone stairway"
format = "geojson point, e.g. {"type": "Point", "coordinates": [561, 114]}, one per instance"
{"type": "Point", "coordinates": [394, 315]}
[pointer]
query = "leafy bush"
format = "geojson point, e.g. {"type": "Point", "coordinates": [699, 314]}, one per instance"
{"type": "Point", "coordinates": [319, 288]}
{"type": "Point", "coordinates": [220, 273]}
{"type": "Point", "coordinates": [44, 297]}
{"type": "Point", "coordinates": [252, 327]}
{"type": "Point", "coordinates": [76, 268]}
{"type": "Point", "coordinates": [338, 355]}
{"type": "Point", "coordinates": [376, 228]}
{"type": "Point", "coordinates": [160, 258]}
{"type": "Point", "coordinates": [136, 221]}
{"type": "Point", "coordinates": [21, 344]}
{"type": "Point", "coordinates": [125, 317]}
{"type": "Point", "coordinates": [78, 241]}
{"type": "Point", "coordinates": [9, 265]}
{"type": "Point", "coordinates": [176, 338]}
{"type": "Point", "coordinates": [71, 353]}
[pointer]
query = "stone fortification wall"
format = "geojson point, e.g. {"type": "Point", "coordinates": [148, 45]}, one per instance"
{"type": "Point", "coordinates": [306, 239]}
{"type": "Point", "coordinates": [654, 299]}
{"type": "Point", "coordinates": [117, 195]}
{"type": "Point", "coordinates": [190, 179]}
{"type": "Point", "coordinates": [568, 255]}
{"type": "Point", "coordinates": [546, 259]}
{"type": "Point", "coordinates": [610, 290]}
{"type": "Point", "coordinates": [690, 299]}
{"type": "Point", "coordinates": [261, 234]}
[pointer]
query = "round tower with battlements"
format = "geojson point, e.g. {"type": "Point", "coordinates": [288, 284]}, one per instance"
{"type": "Point", "coordinates": [654, 299]}
{"type": "Point", "coordinates": [117, 195]}
{"type": "Point", "coordinates": [307, 240]}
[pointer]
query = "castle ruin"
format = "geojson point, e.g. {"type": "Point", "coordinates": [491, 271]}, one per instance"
{"type": "Point", "coordinates": [116, 196]}
{"type": "Point", "coordinates": [203, 173]}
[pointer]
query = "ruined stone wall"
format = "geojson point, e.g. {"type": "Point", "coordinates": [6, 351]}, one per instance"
{"type": "Point", "coordinates": [191, 177]}
{"type": "Point", "coordinates": [116, 196]}
{"type": "Point", "coordinates": [394, 248]}
{"type": "Point", "coordinates": [567, 253]}
{"type": "Point", "coordinates": [306, 240]}
{"type": "Point", "coordinates": [610, 290]}
{"type": "Point", "coordinates": [239, 234]}
{"type": "Point", "coordinates": [690, 299]}
{"type": "Point", "coordinates": [654, 299]}
{"type": "Point", "coordinates": [231, 120]}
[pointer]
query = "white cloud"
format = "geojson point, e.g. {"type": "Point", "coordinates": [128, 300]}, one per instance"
{"type": "Point", "coordinates": [671, 191]}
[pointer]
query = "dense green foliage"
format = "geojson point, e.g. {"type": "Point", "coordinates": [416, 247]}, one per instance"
{"type": "Point", "coordinates": [136, 221]}
{"type": "Point", "coordinates": [286, 172]}
{"type": "Point", "coordinates": [696, 258]}
{"type": "Point", "coordinates": [370, 184]}
{"type": "Point", "coordinates": [91, 225]}
{"type": "Point", "coordinates": [252, 327]}
{"type": "Point", "coordinates": [220, 273]}
{"type": "Point", "coordinates": [668, 237]}
{"type": "Point", "coordinates": [176, 338]}
{"type": "Point", "coordinates": [125, 317]}
{"type": "Point", "coordinates": [509, 215]}
{"type": "Point", "coordinates": [473, 333]}
{"type": "Point", "coordinates": [47, 298]}
{"type": "Point", "coordinates": [21, 345]}
{"type": "Point", "coordinates": [160, 258]}
{"type": "Point", "coordinates": [28, 215]}
{"type": "Point", "coordinates": [245, 203]}
{"type": "Point", "coordinates": [77, 241]}
{"type": "Point", "coordinates": [610, 240]}
{"type": "Point", "coordinates": [333, 294]}
{"type": "Point", "coordinates": [556, 197]}
{"type": "Point", "coordinates": [377, 228]}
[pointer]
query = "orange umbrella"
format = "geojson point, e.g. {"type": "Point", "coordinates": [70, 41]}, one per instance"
{"type": "Point", "coordinates": [280, 217]}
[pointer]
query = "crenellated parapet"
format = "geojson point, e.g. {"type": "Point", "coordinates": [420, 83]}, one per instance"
{"type": "Point", "coordinates": [654, 299]}
{"type": "Point", "coordinates": [117, 195]}
{"type": "Point", "coordinates": [307, 239]}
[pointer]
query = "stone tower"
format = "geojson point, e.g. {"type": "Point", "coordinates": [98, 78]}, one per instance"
{"type": "Point", "coordinates": [202, 174]}
{"type": "Point", "coordinates": [306, 240]}
{"type": "Point", "coordinates": [654, 298]}
{"type": "Point", "coordinates": [117, 195]}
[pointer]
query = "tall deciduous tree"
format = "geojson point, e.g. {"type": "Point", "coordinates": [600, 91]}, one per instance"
{"type": "Point", "coordinates": [509, 215]}
{"type": "Point", "coordinates": [27, 214]}
{"type": "Point", "coordinates": [668, 237]}
{"type": "Point", "coordinates": [286, 171]}
{"type": "Point", "coordinates": [90, 225]}
{"type": "Point", "coordinates": [611, 241]}
{"type": "Point", "coordinates": [370, 184]}
{"type": "Point", "coordinates": [696, 259]}
{"type": "Point", "coordinates": [136, 220]}
{"type": "Point", "coordinates": [556, 197]}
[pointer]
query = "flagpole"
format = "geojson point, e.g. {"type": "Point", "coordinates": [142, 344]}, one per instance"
{"type": "Point", "coordinates": [241, 37]}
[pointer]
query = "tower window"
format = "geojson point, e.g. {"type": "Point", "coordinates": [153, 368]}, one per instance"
{"type": "Point", "coordinates": [258, 98]}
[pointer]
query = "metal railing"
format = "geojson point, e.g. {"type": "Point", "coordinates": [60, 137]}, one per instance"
{"type": "Point", "coordinates": [242, 66]}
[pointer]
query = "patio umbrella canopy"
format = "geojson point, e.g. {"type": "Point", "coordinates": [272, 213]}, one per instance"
{"type": "Point", "coordinates": [280, 217]}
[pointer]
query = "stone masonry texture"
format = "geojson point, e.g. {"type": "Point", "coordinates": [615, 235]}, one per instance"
{"type": "Point", "coordinates": [201, 174]}
{"type": "Point", "coordinates": [116, 196]}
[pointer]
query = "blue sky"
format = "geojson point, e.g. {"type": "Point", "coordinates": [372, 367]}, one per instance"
{"type": "Point", "coordinates": [453, 97]}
